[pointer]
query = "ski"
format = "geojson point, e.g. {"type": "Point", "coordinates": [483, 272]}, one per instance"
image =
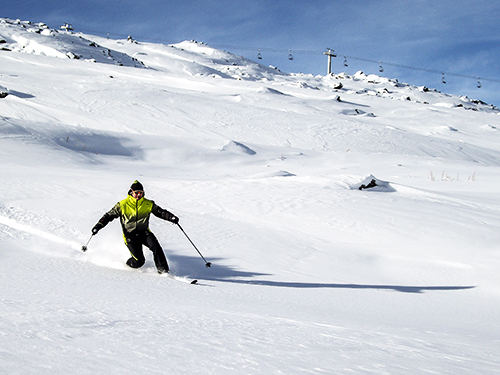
{"type": "Point", "coordinates": [182, 279]}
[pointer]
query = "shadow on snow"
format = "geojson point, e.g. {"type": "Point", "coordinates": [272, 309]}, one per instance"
{"type": "Point", "coordinates": [194, 267]}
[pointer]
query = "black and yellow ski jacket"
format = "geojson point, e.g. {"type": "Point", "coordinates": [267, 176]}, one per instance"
{"type": "Point", "coordinates": [134, 214]}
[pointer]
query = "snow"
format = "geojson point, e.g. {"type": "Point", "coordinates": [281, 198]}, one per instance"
{"type": "Point", "coordinates": [310, 274]}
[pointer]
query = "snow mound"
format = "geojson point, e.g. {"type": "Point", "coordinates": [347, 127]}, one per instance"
{"type": "Point", "coordinates": [238, 148]}
{"type": "Point", "coordinates": [3, 92]}
{"type": "Point", "coordinates": [272, 174]}
{"type": "Point", "coordinates": [373, 184]}
{"type": "Point", "coordinates": [268, 90]}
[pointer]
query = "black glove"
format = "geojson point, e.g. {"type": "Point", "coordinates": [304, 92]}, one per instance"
{"type": "Point", "coordinates": [172, 218]}
{"type": "Point", "coordinates": [97, 228]}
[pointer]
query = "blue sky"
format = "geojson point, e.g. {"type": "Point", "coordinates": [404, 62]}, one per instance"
{"type": "Point", "coordinates": [427, 37]}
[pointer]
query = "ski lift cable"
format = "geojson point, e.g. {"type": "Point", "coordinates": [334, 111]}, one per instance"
{"type": "Point", "coordinates": [276, 50]}
{"type": "Point", "coordinates": [346, 57]}
{"type": "Point", "coordinates": [421, 69]}
{"type": "Point", "coordinates": [307, 52]}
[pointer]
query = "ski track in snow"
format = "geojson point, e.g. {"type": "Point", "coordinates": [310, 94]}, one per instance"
{"type": "Point", "coordinates": [15, 221]}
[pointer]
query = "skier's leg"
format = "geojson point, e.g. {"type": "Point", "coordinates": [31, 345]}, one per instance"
{"type": "Point", "coordinates": [137, 259]}
{"type": "Point", "coordinates": [159, 256]}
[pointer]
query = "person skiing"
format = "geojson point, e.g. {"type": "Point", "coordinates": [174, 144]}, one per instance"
{"type": "Point", "coordinates": [134, 212]}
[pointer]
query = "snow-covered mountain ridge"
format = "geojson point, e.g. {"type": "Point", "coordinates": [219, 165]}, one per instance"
{"type": "Point", "coordinates": [39, 39]}
{"type": "Point", "coordinates": [314, 269]}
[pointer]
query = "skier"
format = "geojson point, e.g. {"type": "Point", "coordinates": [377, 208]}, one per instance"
{"type": "Point", "coordinates": [134, 212]}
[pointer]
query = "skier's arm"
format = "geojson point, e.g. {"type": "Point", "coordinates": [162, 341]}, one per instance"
{"type": "Point", "coordinates": [164, 214]}
{"type": "Point", "coordinates": [106, 218]}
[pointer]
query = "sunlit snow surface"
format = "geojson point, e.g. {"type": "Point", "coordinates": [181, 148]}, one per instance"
{"type": "Point", "coordinates": [310, 274]}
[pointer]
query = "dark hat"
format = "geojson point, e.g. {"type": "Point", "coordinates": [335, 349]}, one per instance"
{"type": "Point", "coordinates": [137, 186]}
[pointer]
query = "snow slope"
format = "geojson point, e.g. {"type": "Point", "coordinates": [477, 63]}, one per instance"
{"type": "Point", "coordinates": [310, 275]}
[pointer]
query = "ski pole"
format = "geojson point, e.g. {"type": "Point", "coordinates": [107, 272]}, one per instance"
{"type": "Point", "coordinates": [207, 264]}
{"type": "Point", "coordinates": [84, 247]}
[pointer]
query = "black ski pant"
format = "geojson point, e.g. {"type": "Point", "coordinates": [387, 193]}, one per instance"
{"type": "Point", "coordinates": [136, 240]}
